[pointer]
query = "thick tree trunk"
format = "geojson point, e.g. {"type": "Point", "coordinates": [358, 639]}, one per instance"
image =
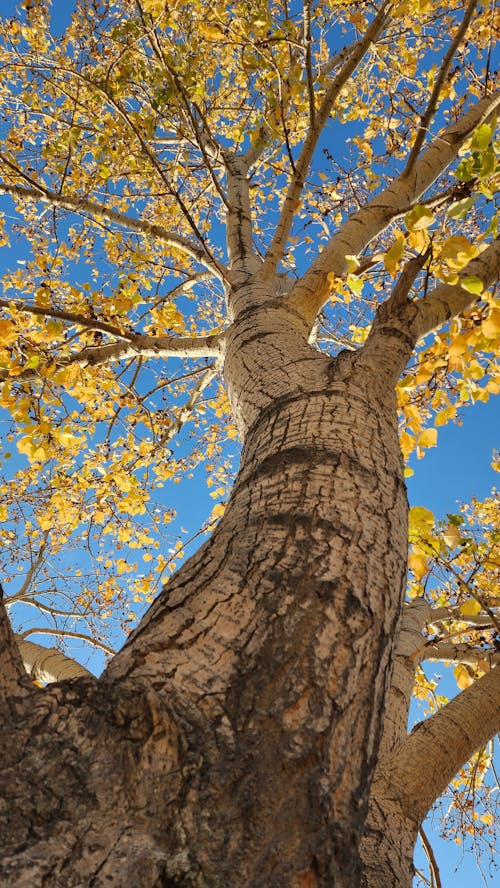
{"type": "Point", "coordinates": [233, 740]}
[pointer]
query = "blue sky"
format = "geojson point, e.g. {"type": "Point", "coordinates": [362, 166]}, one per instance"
{"type": "Point", "coordinates": [460, 466]}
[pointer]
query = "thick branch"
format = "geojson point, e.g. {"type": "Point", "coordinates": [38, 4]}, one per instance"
{"type": "Point", "coordinates": [290, 205]}
{"type": "Point", "coordinates": [454, 612]}
{"type": "Point", "coordinates": [311, 291]}
{"type": "Point", "coordinates": [403, 676]}
{"type": "Point", "coordinates": [48, 664]}
{"type": "Point", "coordinates": [135, 346]}
{"type": "Point", "coordinates": [388, 340]}
{"type": "Point", "coordinates": [446, 301]}
{"type": "Point", "coordinates": [97, 211]}
{"type": "Point", "coordinates": [239, 232]}
{"type": "Point", "coordinates": [438, 747]}
{"type": "Point", "coordinates": [73, 317]}
{"type": "Point", "coordinates": [445, 651]}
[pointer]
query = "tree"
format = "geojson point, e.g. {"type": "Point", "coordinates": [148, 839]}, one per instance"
{"type": "Point", "coordinates": [253, 729]}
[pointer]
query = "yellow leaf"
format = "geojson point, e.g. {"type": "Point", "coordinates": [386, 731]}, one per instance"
{"type": "Point", "coordinates": [462, 677]}
{"type": "Point", "coordinates": [211, 31]}
{"type": "Point", "coordinates": [427, 438]}
{"type": "Point", "coordinates": [491, 326]}
{"type": "Point", "coordinates": [421, 521]}
{"type": "Point", "coordinates": [418, 564]}
{"type": "Point", "coordinates": [8, 332]}
{"type": "Point", "coordinates": [218, 510]}
{"type": "Point", "coordinates": [452, 536]}
{"type": "Point", "coordinates": [444, 415]}
{"type": "Point", "coordinates": [34, 450]}
{"type": "Point", "coordinates": [352, 263]}
{"type": "Point", "coordinates": [394, 254]}
{"type": "Point", "coordinates": [458, 251]}
{"type": "Point", "coordinates": [470, 608]}
{"type": "Point", "coordinates": [419, 218]}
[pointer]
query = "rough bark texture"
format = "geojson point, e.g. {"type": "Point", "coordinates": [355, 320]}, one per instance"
{"type": "Point", "coordinates": [414, 769]}
{"type": "Point", "coordinates": [233, 739]}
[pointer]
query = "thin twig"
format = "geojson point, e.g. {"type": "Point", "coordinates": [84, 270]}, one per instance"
{"type": "Point", "coordinates": [434, 869]}
{"type": "Point", "coordinates": [67, 633]}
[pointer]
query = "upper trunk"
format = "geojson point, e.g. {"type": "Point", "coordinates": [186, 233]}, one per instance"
{"type": "Point", "coordinates": [272, 646]}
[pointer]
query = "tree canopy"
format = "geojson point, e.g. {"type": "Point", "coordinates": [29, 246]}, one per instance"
{"type": "Point", "coordinates": [155, 155]}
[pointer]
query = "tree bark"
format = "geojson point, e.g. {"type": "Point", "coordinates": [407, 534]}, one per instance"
{"type": "Point", "coordinates": [414, 769]}
{"type": "Point", "coordinates": [232, 741]}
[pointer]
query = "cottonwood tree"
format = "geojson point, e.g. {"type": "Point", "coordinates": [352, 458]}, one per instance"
{"type": "Point", "coordinates": [274, 221]}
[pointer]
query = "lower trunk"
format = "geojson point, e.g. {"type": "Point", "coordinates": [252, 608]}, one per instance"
{"type": "Point", "coordinates": [388, 842]}
{"type": "Point", "coordinates": [233, 740]}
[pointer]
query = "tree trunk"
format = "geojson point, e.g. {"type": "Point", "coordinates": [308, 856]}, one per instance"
{"type": "Point", "coordinates": [413, 771]}
{"type": "Point", "coordinates": [391, 826]}
{"type": "Point", "coordinates": [233, 740]}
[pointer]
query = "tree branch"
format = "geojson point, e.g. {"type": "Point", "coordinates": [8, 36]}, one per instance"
{"type": "Point", "coordinates": [306, 39]}
{"type": "Point", "coordinates": [310, 293]}
{"type": "Point", "coordinates": [429, 853]}
{"type": "Point", "coordinates": [184, 413]}
{"type": "Point", "coordinates": [73, 317]}
{"type": "Point", "coordinates": [403, 676]}
{"type": "Point", "coordinates": [447, 301]}
{"type": "Point", "coordinates": [203, 138]}
{"type": "Point", "coordinates": [136, 345]}
{"type": "Point", "coordinates": [438, 747]}
{"type": "Point", "coordinates": [453, 612]}
{"type": "Point", "coordinates": [444, 651]}
{"type": "Point", "coordinates": [438, 85]}
{"type": "Point", "coordinates": [388, 339]}
{"type": "Point", "coordinates": [291, 202]}
{"type": "Point", "coordinates": [14, 681]}
{"type": "Point", "coordinates": [66, 633]}
{"type": "Point", "coordinates": [48, 664]}
{"type": "Point", "coordinates": [239, 230]}
{"type": "Point", "coordinates": [97, 211]}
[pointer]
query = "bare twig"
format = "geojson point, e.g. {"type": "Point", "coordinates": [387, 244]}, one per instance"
{"type": "Point", "coordinates": [66, 633]}
{"type": "Point", "coordinates": [429, 853]}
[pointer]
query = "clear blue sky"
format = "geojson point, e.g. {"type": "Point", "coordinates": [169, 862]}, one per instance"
{"type": "Point", "coordinates": [460, 466]}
